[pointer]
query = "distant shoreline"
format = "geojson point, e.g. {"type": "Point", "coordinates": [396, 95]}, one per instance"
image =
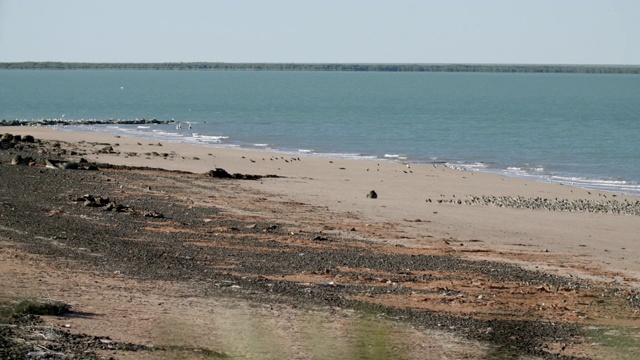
{"type": "Point", "coordinates": [63, 122]}
{"type": "Point", "coordinates": [220, 66]}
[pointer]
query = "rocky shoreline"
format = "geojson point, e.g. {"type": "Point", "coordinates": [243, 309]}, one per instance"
{"type": "Point", "coordinates": [97, 221]}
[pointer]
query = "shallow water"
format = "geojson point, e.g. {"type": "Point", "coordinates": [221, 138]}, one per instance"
{"type": "Point", "coordinates": [578, 129]}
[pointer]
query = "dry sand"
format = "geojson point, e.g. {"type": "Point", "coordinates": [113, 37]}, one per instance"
{"type": "Point", "coordinates": [592, 245]}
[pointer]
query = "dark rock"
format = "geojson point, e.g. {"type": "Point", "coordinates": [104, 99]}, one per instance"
{"type": "Point", "coordinates": [372, 194]}
{"type": "Point", "coordinates": [17, 160]}
{"type": "Point", "coordinates": [106, 150]}
{"type": "Point", "coordinates": [112, 206]}
{"type": "Point", "coordinates": [246, 176]}
{"type": "Point", "coordinates": [219, 173]}
{"type": "Point", "coordinates": [90, 203]}
{"type": "Point", "coordinates": [67, 165]}
{"type": "Point", "coordinates": [6, 137]}
{"type": "Point", "coordinates": [153, 214]}
{"type": "Point", "coordinates": [28, 139]}
{"type": "Point", "coordinates": [51, 164]}
{"type": "Point", "coordinates": [223, 174]}
{"type": "Point", "coordinates": [5, 145]}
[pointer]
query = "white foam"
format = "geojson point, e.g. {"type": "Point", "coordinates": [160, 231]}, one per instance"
{"type": "Point", "coordinates": [351, 156]}
{"type": "Point", "coordinates": [468, 167]}
{"type": "Point", "coordinates": [611, 185]}
{"type": "Point", "coordinates": [208, 138]}
{"type": "Point", "coordinates": [170, 134]}
{"type": "Point", "coordinates": [395, 156]}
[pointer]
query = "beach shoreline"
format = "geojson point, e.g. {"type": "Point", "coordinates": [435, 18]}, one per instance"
{"type": "Point", "coordinates": [420, 215]}
{"type": "Point", "coordinates": [406, 192]}
{"type": "Point", "coordinates": [163, 131]}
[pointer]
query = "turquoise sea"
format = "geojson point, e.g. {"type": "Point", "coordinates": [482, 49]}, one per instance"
{"type": "Point", "coordinates": [578, 129]}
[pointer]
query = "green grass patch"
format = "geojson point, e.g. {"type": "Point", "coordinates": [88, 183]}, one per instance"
{"type": "Point", "coordinates": [614, 342]}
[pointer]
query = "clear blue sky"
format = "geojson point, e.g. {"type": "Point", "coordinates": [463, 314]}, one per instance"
{"type": "Point", "coordinates": [394, 31]}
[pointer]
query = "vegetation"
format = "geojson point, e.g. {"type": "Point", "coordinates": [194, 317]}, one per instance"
{"type": "Point", "coordinates": [24, 334]}
{"type": "Point", "coordinates": [616, 342]}
{"type": "Point", "coordinates": [32, 306]}
{"type": "Point", "coordinates": [496, 68]}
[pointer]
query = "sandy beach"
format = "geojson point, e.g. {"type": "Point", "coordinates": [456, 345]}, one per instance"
{"type": "Point", "coordinates": [577, 234]}
{"type": "Point", "coordinates": [607, 242]}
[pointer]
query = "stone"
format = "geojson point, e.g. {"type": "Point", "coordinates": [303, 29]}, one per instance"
{"type": "Point", "coordinates": [223, 174]}
{"type": "Point", "coordinates": [68, 165]}
{"type": "Point", "coordinates": [51, 164]}
{"type": "Point", "coordinates": [6, 137]}
{"type": "Point", "coordinates": [106, 150]}
{"type": "Point", "coordinates": [219, 173]}
{"type": "Point", "coordinates": [372, 194]}
{"type": "Point", "coordinates": [29, 139]}
{"type": "Point", "coordinates": [17, 160]}
{"type": "Point", "coordinates": [153, 214]}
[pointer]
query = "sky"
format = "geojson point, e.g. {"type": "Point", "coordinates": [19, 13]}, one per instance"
{"type": "Point", "coordinates": [327, 31]}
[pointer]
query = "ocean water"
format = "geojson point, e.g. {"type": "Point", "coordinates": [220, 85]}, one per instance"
{"type": "Point", "coordinates": [576, 129]}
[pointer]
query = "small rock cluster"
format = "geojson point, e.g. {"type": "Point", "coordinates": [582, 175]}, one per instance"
{"type": "Point", "coordinates": [53, 164]}
{"type": "Point", "coordinates": [106, 150]}
{"type": "Point", "coordinates": [19, 160]}
{"type": "Point", "coordinates": [99, 201]}
{"type": "Point", "coordinates": [8, 141]}
{"type": "Point", "coordinates": [519, 202]}
{"type": "Point", "coordinates": [70, 165]}
{"type": "Point", "coordinates": [23, 145]}
{"type": "Point", "coordinates": [110, 205]}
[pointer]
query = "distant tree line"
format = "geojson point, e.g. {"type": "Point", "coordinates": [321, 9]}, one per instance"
{"type": "Point", "coordinates": [498, 68]}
